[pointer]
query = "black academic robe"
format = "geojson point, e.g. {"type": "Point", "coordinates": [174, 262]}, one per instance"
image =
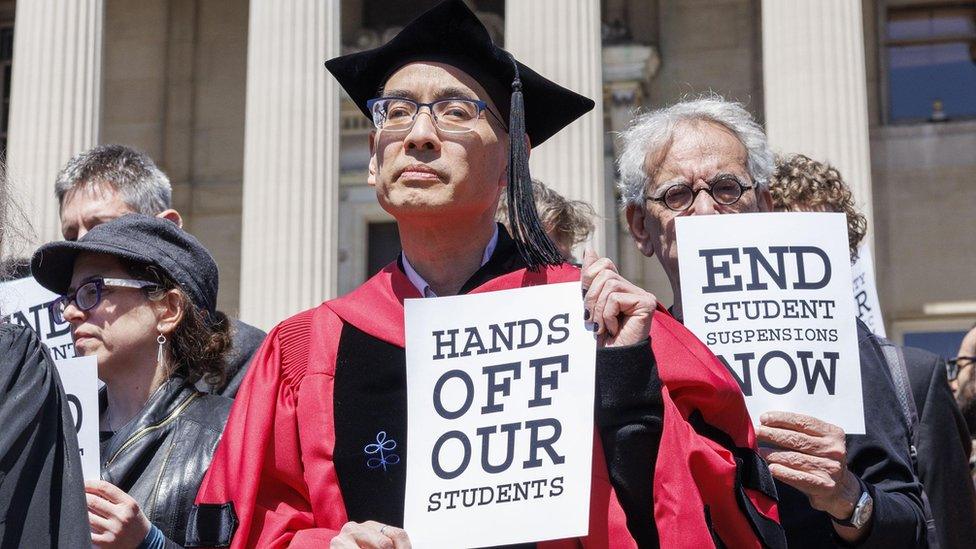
{"type": "Point", "coordinates": [327, 390]}
{"type": "Point", "coordinates": [42, 495]}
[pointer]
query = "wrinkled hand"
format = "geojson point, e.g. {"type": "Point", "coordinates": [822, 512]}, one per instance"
{"type": "Point", "coordinates": [621, 310]}
{"type": "Point", "coordinates": [811, 457]}
{"type": "Point", "coordinates": [115, 519]}
{"type": "Point", "coordinates": [370, 535]}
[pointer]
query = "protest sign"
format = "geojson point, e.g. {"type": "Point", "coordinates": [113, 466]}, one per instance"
{"type": "Point", "coordinates": [771, 296]}
{"type": "Point", "coordinates": [866, 291]}
{"type": "Point", "coordinates": [79, 376]}
{"type": "Point", "coordinates": [500, 417]}
{"type": "Point", "coordinates": [25, 302]}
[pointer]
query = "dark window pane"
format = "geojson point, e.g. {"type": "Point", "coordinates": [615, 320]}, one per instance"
{"type": "Point", "coordinates": [920, 75]}
{"type": "Point", "coordinates": [931, 55]}
{"type": "Point", "coordinates": [383, 245]}
{"type": "Point", "coordinates": [945, 343]}
{"type": "Point", "coordinates": [914, 24]}
{"type": "Point", "coordinates": [6, 44]}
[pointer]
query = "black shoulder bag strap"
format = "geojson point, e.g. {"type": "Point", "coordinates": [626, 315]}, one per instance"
{"type": "Point", "coordinates": [895, 358]}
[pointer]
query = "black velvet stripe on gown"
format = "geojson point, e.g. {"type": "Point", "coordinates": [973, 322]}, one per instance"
{"type": "Point", "coordinates": [370, 407]}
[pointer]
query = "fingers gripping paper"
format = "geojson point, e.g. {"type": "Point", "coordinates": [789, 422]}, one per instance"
{"type": "Point", "coordinates": [771, 295]}
{"type": "Point", "coordinates": [500, 417]}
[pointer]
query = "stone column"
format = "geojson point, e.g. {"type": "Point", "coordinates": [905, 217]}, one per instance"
{"type": "Point", "coordinates": [291, 160]}
{"type": "Point", "coordinates": [815, 87]}
{"type": "Point", "coordinates": [560, 39]}
{"type": "Point", "coordinates": [55, 100]}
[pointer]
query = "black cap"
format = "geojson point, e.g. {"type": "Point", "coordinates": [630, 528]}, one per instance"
{"type": "Point", "coordinates": [141, 239]}
{"type": "Point", "coordinates": [535, 106]}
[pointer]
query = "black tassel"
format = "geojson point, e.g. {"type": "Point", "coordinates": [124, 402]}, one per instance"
{"type": "Point", "coordinates": [531, 240]}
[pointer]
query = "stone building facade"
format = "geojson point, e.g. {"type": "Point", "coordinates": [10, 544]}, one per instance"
{"type": "Point", "coordinates": [268, 158]}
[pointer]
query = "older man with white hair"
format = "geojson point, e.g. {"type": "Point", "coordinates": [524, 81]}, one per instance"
{"type": "Point", "coordinates": [708, 156]}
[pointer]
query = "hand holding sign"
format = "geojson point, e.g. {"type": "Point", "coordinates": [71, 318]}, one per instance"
{"type": "Point", "coordinates": [811, 457]}
{"type": "Point", "coordinates": [370, 535]}
{"type": "Point", "coordinates": [115, 518]}
{"type": "Point", "coordinates": [621, 311]}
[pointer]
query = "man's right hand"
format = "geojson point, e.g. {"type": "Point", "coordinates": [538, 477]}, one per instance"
{"type": "Point", "coordinates": [370, 535]}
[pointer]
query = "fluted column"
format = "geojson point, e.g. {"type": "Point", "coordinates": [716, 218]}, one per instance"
{"type": "Point", "coordinates": [291, 160]}
{"type": "Point", "coordinates": [815, 87]}
{"type": "Point", "coordinates": [54, 99]}
{"type": "Point", "coordinates": [560, 39]}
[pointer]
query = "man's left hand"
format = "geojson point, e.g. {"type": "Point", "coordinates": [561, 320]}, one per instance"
{"type": "Point", "coordinates": [621, 310]}
{"type": "Point", "coordinates": [811, 457]}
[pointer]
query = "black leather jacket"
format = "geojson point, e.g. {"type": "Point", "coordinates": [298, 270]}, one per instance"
{"type": "Point", "coordinates": [160, 456]}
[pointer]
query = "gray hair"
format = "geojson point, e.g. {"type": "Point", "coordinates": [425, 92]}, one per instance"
{"type": "Point", "coordinates": [655, 129]}
{"type": "Point", "coordinates": [132, 173]}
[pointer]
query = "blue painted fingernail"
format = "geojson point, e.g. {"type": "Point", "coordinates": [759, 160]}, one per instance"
{"type": "Point", "coordinates": [586, 314]}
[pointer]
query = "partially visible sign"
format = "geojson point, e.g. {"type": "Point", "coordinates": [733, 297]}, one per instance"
{"type": "Point", "coordinates": [771, 295]}
{"type": "Point", "coordinates": [79, 376]}
{"type": "Point", "coordinates": [866, 291]}
{"type": "Point", "coordinates": [500, 418]}
{"type": "Point", "coordinates": [25, 302]}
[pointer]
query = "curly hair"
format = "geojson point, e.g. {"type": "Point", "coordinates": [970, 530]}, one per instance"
{"type": "Point", "coordinates": [569, 221]}
{"type": "Point", "coordinates": [200, 342]}
{"type": "Point", "coordinates": [800, 183]}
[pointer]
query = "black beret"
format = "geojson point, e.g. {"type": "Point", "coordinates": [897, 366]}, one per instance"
{"type": "Point", "coordinates": [141, 239]}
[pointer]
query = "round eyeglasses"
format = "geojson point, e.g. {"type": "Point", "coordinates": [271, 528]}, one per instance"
{"type": "Point", "coordinates": [724, 190]}
{"type": "Point", "coordinates": [89, 295]}
{"type": "Point", "coordinates": [394, 114]}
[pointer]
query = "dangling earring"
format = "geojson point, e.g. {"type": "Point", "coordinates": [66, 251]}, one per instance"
{"type": "Point", "coordinates": [159, 355]}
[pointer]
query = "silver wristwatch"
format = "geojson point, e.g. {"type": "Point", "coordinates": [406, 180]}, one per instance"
{"type": "Point", "coordinates": [862, 511]}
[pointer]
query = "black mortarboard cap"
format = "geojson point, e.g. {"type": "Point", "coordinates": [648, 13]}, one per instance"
{"type": "Point", "coordinates": [535, 106]}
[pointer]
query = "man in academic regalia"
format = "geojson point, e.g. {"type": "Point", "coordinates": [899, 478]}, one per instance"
{"type": "Point", "coordinates": [455, 117]}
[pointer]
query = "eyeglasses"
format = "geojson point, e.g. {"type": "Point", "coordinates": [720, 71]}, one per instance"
{"type": "Point", "coordinates": [89, 295]}
{"type": "Point", "coordinates": [394, 114]}
{"type": "Point", "coordinates": [725, 190]}
{"type": "Point", "coordinates": [955, 364]}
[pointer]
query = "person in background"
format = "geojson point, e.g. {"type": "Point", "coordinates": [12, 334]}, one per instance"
{"type": "Point", "coordinates": [962, 381]}
{"type": "Point", "coordinates": [708, 156]}
{"type": "Point", "coordinates": [567, 222]}
{"type": "Point", "coordinates": [140, 295]}
{"type": "Point", "coordinates": [42, 501]}
{"type": "Point", "coordinates": [454, 116]}
{"type": "Point", "coordinates": [941, 439]}
{"type": "Point", "coordinates": [109, 181]}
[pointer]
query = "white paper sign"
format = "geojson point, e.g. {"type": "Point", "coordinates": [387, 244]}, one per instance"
{"type": "Point", "coordinates": [25, 302]}
{"type": "Point", "coordinates": [514, 371]}
{"type": "Point", "coordinates": [771, 295]}
{"type": "Point", "coordinates": [866, 291]}
{"type": "Point", "coordinates": [79, 376]}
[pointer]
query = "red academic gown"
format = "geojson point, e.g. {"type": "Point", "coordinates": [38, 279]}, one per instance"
{"type": "Point", "coordinates": [275, 481]}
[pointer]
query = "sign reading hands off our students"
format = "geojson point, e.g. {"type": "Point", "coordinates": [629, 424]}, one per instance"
{"type": "Point", "coordinates": [771, 295]}
{"type": "Point", "coordinates": [500, 417]}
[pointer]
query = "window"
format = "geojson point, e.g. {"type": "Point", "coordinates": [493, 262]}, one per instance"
{"type": "Point", "coordinates": [931, 60]}
{"type": "Point", "coordinates": [944, 344]}
{"type": "Point", "coordinates": [6, 67]}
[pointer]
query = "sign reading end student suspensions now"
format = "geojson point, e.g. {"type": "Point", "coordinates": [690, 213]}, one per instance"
{"type": "Point", "coordinates": [770, 294]}
{"type": "Point", "coordinates": [500, 417]}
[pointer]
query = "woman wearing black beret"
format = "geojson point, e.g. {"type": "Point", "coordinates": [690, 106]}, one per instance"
{"type": "Point", "coordinates": [140, 296]}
